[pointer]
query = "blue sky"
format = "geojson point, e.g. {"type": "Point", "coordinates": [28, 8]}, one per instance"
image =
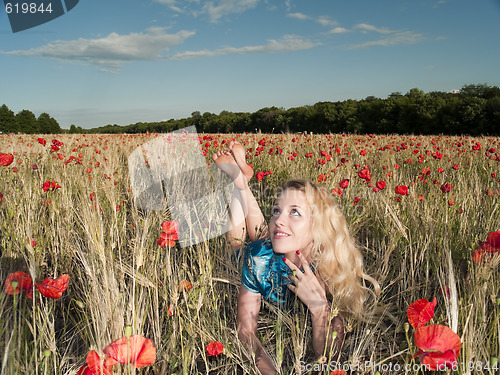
{"type": "Point", "coordinates": [125, 61]}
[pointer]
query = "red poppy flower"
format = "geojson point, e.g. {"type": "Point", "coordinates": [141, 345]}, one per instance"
{"type": "Point", "coordinates": [492, 244]}
{"type": "Point", "coordinates": [185, 285]}
{"type": "Point", "coordinates": [136, 350]}
{"type": "Point", "coordinates": [214, 348]}
{"type": "Point", "coordinates": [344, 183]}
{"type": "Point", "coordinates": [259, 176]}
{"type": "Point", "coordinates": [337, 191]}
{"type": "Point", "coordinates": [478, 256]}
{"type": "Point", "coordinates": [365, 175]}
{"type": "Point", "coordinates": [170, 227]}
{"type": "Point", "coordinates": [446, 188]}
{"type": "Point", "coordinates": [24, 282]}
{"type": "Point", "coordinates": [53, 288]}
{"type": "Point", "coordinates": [50, 185]}
{"type": "Point", "coordinates": [6, 159]}
{"type": "Point", "coordinates": [402, 190]}
{"type": "Point", "coordinates": [420, 312]}
{"type": "Point", "coordinates": [439, 347]}
{"type": "Point", "coordinates": [169, 234]}
{"type": "Point", "coordinates": [96, 366]}
{"type": "Point", "coordinates": [42, 141]}
{"type": "Point", "coordinates": [338, 372]}
{"type": "Point", "coordinates": [380, 185]}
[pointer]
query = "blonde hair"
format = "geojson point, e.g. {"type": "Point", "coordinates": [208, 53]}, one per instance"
{"type": "Point", "coordinates": [335, 257]}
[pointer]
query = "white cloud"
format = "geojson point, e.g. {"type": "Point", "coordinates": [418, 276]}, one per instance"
{"type": "Point", "coordinates": [339, 30]}
{"type": "Point", "coordinates": [391, 37]}
{"type": "Point", "coordinates": [395, 37]}
{"type": "Point", "coordinates": [215, 9]}
{"type": "Point", "coordinates": [287, 44]}
{"type": "Point", "coordinates": [326, 21]}
{"type": "Point", "coordinates": [365, 28]}
{"type": "Point", "coordinates": [112, 50]}
{"type": "Point", "coordinates": [299, 16]}
{"type": "Point", "coordinates": [221, 8]}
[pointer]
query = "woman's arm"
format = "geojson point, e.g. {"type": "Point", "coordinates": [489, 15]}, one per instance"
{"type": "Point", "coordinates": [324, 326]}
{"type": "Point", "coordinates": [248, 316]}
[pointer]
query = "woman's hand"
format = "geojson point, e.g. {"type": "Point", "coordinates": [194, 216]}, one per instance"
{"type": "Point", "coordinates": [311, 291]}
{"type": "Point", "coordinates": [306, 286]}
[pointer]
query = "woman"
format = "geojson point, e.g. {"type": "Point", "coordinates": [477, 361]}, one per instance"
{"type": "Point", "coordinates": [306, 250]}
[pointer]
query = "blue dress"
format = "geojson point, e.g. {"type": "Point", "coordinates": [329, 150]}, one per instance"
{"type": "Point", "coordinates": [265, 272]}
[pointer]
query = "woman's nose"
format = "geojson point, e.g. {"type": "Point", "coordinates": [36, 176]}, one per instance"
{"type": "Point", "coordinates": [280, 219]}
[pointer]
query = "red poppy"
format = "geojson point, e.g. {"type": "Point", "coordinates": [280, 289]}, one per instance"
{"type": "Point", "coordinates": [42, 141]}
{"type": "Point", "coordinates": [344, 183]}
{"type": "Point", "coordinates": [338, 372]}
{"type": "Point", "coordinates": [170, 227]}
{"type": "Point", "coordinates": [6, 159]}
{"type": "Point", "coordinates": [24, 282]}
{"type": "Point", "coordinates": [53, 288]}
{"type": "Point", "coordinates": [136, 350]}
{"type": "Point", "coordinates": [402, 190]}
{"type": "Point", "coordinates": [337, 191]}
{"type": "Point", "coordinates": [365, 175]}
{"type": "Point", "coordinates": [169, 234]}
{"type": "Point", "coordinates": [214, 348]}
{"type": "Point", "coordinates": [96, 366]}
{"type": "Point", "coordinates": [185, 285]}
{"type": "Point", "coordinates": [420, 312]}
{"type": "Point", "coordinates": [259, 176]}
{"type": "Point", "coordinates": [380, 185]}
{"type": "Point", "coordinates": [446, 188]}
{"type": "Point", "coordinates": [478, 256]}
{"type": "Point", "coordinates": [50, 185]}
{"type": "Point", "coordinates": [492, 244]}
{"type": "Point", "coordinates": [439, 347]}
{"type": "Point", "coordinates": [1, 196]}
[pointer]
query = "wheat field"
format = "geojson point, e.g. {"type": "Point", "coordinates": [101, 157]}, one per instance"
{"type": "Point", "coordinates": [87, 225]}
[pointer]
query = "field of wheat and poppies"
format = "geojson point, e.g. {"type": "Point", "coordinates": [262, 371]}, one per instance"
{"type": "Point", "coordinates": [92, 284]}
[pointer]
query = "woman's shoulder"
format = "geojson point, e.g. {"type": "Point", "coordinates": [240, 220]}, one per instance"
{"type": "Point", "coordinates": [259, 248]}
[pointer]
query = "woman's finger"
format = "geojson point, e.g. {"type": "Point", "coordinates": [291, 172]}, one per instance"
{"type": "Point", "coordinates": [304, 262]}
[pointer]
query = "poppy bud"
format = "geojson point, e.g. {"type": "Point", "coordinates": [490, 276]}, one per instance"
{"type": "Point", "coordinates": [128, 331]}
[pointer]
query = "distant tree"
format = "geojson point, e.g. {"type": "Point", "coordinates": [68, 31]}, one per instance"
{"type": "Point", "coordinates": [48, 125]}
{"type": "Point", "coordinates": [481, 91]}
{"type": "Point", "coordinates": [8, 122]}
{"type": "Point", "coordinates": [27, 122]}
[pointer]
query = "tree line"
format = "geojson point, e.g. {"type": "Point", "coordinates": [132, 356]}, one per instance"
{"type": "Point", "coordinates": [472, 110]}
{"type": "Point", "coordinates": [26, 122]}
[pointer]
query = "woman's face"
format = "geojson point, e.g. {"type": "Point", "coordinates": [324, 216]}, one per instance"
{"type": "Point", "coordinates": [290, 226]}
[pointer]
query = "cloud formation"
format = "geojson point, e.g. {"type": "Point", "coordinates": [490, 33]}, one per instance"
{"type": "Point", "coordinates": [286, 44]}
{"type": "Point", "coordinates": [215, 9]}
{"type": "Point", "coordinates": [393, 38]}
{"type": "Point", "coordinates": [112, 50]}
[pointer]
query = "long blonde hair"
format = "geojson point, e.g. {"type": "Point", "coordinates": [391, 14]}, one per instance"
{"type": "Point", "coordinates": [335, 257]}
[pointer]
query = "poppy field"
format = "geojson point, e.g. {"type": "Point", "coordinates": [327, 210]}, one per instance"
{"type": "Point", "coordinates": [93, 284]}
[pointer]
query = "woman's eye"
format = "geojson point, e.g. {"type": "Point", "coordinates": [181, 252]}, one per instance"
{"type": "Point", "coordinates": [294, 212]}
{"type": "Point", "coordinates": [275, 211]}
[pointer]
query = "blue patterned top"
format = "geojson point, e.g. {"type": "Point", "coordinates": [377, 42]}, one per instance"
{"type": "Point", "coordinates": [265, 272]}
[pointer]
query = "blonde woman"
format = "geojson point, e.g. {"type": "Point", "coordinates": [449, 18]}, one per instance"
{"type": "Point", "coordinates": [305, 252]}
